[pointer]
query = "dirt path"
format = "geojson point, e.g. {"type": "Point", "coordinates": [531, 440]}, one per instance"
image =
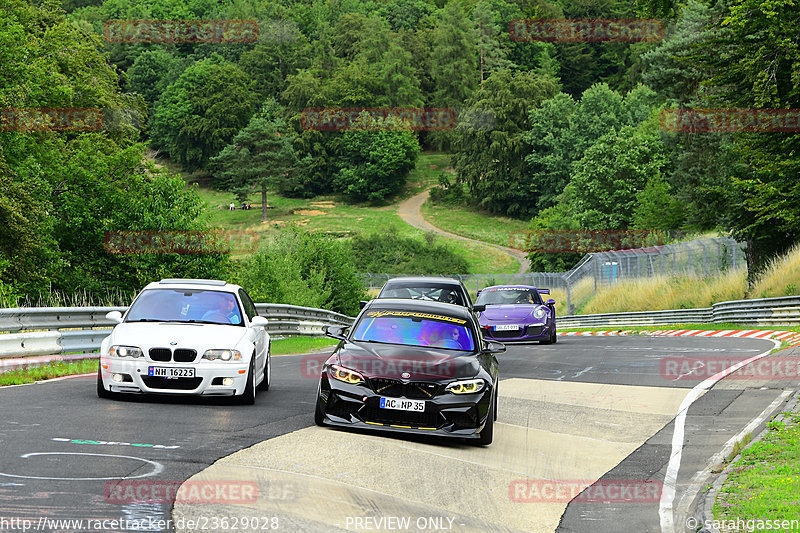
{"type": "Point", "coordinates": [409, 210]}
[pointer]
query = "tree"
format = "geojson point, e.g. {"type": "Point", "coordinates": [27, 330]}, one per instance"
{"type": "Point", "coordinates": [201, 112]}
{"type": "Point", "coordinates": [612, 172]}
{"type": "Point", "coordinates": [260, 156]}
{"type": "Point", "coordinates": [489, 142]}
{"type": "Point", "coordinates": [454, 57]}
{"type": "Point", "coordinates": [148, 74]}
{"type": "Point", "coordinates": [374, 164]}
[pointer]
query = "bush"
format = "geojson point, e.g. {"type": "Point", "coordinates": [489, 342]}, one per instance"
{"type": "Point", "coordinates": [390, 253]}
{"type": "Point", "coordinates": [300, 268]}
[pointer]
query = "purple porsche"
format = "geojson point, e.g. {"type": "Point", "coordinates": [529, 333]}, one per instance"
{"type": "Point", "coordinates": [517, 313]}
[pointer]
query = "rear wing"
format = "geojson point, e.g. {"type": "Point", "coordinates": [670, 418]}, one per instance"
{"type": "Point", "coordinates": [543, 291]}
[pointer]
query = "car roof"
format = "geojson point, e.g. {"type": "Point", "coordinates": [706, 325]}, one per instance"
{"type": "Point", "coordinates": [413, 280]}
{"type": "Point", "coordinates": [458, 311]}
{"type": "Point", "coordinates": [512, 286]}
{"type": "Point", "coordinates": [208, 284]}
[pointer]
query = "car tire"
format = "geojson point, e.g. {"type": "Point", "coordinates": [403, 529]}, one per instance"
{"type": "Point", "coordinates": [248, 397]}
{"type": "Point", "coordinates": [319, 413]}
{"type": "Point", "coordinates": [265, 383]}
{"type": "Point", "coordinates": [555, 336]}
{"type": "Point", "coordinates": [486, 435]}
{"type": "Point", "coordinates": [101, 390]}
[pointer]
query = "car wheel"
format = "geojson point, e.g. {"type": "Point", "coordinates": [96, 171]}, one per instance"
{"type": "Point", "coordinates": [101, 390]}
{"type": "Point", "coordinates": [319, 413]}
{"type": "Point", "coordinates": [487, 433]}
{"type": "Point", "coordinates": [248, 397]}
{"type": "Point", "coordinates": [264, 385]}
{"type": "Point", "coordinates": [548, 341]}
{"type": "Point", "coordinates": [555, 337]}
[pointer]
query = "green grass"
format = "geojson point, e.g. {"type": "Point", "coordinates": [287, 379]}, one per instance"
{"type": "Point", "coordinates": [50, 371]}
{"type": "Point", "coordinates": [329, 214]}
{"type": "Point", "coordinates": [765, 482]}
{"type": "Point", "coordinates": [296, 345]}
{"type": "Point", "coordinates": [473, 223]}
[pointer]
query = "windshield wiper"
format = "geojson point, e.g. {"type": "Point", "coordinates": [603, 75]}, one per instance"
{"type": "Point", "coordinates": [147, 320]}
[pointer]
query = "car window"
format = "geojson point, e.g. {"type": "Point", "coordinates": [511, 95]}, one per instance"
{"type": "Point", "coordinates": [509, 296]}
{"type": "Point", "coordinates": [451, 295]}
{"type": "Point", "coordinates": [414, 328]}
{"type": "Point", "coordinates": [185, 305]}
{"type": "Point", "coordinates": [249, 306]}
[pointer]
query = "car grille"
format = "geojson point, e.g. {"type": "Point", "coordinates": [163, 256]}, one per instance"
{"type": "Point", "coordinates": [428, 419]}
{"type": "Point", "coordinates": [416, 390]}
{"type": "Point", "coordinates": [503, 334]}
{"type": "Point", "coordinates": [160, 354]}
{"type": "Point", "coordinates": [181, 355]}
{"type": "Point", "coordinates": [535, 330]}
{"type": "Point", "coordinates": [172, 384]}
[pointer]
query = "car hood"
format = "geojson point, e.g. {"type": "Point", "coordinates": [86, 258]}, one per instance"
{"type": "Point", "coordinates": [507, 313]}
{"type": "Point", "coordinates": [162, 334]}
{"type": "Point", "coordinates": [392, 361]}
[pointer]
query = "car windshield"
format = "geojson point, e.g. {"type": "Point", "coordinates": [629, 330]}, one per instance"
{"type": "Point", "coordinates": [509, 296]}
{"type": "Point", "coordinates": [414, 328]}
{"type": "Point", "coordinates": [185, 305]}
{"type": "Point", "coordinates": [449, 295]}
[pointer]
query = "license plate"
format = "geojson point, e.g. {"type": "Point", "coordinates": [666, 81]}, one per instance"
{"type": "Point", "coordinates": [403, 405]}
{"type": "Point", "coordinates": [506, 327]}
{"type": "Point", "coordinates": [170, 372]}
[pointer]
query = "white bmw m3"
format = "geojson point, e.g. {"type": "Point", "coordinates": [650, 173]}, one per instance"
{"type": "Point", "coordinates": [190, 337]}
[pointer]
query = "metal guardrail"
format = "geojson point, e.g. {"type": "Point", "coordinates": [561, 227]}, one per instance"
{"type": "Point", "coordinates": [38, 335]}
{"type": "Point", "coordinates": [783, 311]}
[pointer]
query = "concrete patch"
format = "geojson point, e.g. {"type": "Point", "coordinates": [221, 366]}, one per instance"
{"type": "Point", "coordinates": [320, 479]}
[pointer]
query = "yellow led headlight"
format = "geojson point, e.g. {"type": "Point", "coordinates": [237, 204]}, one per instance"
{"type": "Point", "coordinates": [346, 375]}
{"type": "Point", "coordinates": [470, 386]}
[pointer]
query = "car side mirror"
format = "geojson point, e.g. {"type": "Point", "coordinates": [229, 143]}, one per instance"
{"type": "Point", "coordinates": [479, 308]}
{"type": "Point", "coordinates": [362, 303]}
{"type": "Point", "coordinates": [550, 301]}
{"type": "Point", "coordinates": [114, 316]}
{"type": "Point", "coordinates": [259, 321]}
{"type": "Point", "coordinates": [336, 332]}
{"type": "Point", "coordinates": [494, 347]}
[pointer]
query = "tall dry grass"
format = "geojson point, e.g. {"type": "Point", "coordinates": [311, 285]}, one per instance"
{"type": "Point", "coordinates": [780, 278]}
{"type": "Point", "coordinates": [661, 293]}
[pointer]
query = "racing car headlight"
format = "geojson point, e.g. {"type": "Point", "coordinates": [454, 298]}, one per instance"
{"type": "Point", "coordinates": [223, 355]}
{"type": "Point", "coordinates": [346, 375]}
{"type": "Point", "coordinates": [540, 312]}
{"type": "Point", "coordinates": [470, 386]}
{"type": "Point", "coordinates": [125, 351]}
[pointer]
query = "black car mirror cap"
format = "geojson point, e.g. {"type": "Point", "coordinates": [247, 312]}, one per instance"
{"type": "Point", "coordinates": [362, 304]}
{"type": "Point", "coordinates": [336, 332]}
{"type": "Point", "coordinates": [479, 308]}
{"type": "Point", "coordinates": [494, 347]}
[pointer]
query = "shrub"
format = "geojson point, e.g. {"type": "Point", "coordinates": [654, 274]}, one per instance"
{"type": "Point", "coordinates": [391, 253]}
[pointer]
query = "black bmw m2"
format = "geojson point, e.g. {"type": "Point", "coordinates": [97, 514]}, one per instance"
{"type": "Point", "coordinates": [412, 367]}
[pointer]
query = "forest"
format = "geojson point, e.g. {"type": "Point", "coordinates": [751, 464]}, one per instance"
{"type": "Point", "coordinates": [565, 135]}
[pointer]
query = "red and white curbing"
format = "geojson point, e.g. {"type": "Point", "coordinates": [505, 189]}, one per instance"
{"type": "Point", "coordinates": [791, 337]}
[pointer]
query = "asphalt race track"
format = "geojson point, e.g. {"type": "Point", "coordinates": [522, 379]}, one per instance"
{"type": "Point", "coordinates": [592, 417]}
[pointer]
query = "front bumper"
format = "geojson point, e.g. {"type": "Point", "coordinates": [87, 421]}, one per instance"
{"type": "Point", "coordinates": [526, 332]}
{"type": "Point", "coordinates": [207, 381]}
{"type": "Point", "coordinates": [445, 414]}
